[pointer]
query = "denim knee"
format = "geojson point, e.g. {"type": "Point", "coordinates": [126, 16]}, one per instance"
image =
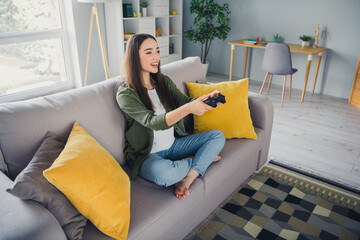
{"type": "Point", "coordinates": [166, 173]}
{"type": "Point", "coordinates": [164, 179]}
{"type": "Point", "coordinates": [171, 175]}
{"type": "Point", "coordinates": [218, 136]}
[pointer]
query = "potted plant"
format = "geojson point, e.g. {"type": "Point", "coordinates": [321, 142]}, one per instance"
{"type": "Point", "coordinates": [305, 40]}
{"type": "Point", "coordinates": [211, 21]}
{"type": "Point", "coordinates": [144, 6]}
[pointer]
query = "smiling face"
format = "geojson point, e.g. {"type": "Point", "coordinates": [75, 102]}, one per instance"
{"type": "Point", "coordinates": [149, 56]}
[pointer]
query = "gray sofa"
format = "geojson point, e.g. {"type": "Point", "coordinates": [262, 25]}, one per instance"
{"type": "Point", "coordinates": [155, 212]}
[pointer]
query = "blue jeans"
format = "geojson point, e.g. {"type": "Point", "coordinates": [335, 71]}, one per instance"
{"type": "Point", "coordinates": [172, 165]}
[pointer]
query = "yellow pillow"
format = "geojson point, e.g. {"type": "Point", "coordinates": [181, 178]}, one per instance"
{"type": "Point", "coordinates": [232, 118]}
{"type": "Point", "coordinates": [93, 182]}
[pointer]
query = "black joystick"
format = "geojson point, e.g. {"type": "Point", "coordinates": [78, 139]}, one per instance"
{"type": "Point", "coordinates": [212, 101]}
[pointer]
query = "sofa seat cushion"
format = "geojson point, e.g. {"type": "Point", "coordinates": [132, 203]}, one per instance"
{"type": "Point", "coordinates": [23, 124]}
{"type": "Point", "coordinates": [92, 233]}
{"type": "Point", "coordinates": [154, 208]}
{"type": "Point", "coordinates": [238, 156]}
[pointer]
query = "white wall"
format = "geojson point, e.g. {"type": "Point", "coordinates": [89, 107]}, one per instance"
{"type": "Point", "coordinates": [82, 16]}
{"type": "Point", "coordinates": [339, 31]}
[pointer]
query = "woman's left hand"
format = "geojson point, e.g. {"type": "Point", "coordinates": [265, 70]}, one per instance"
{"type": "Point", "coordinates": [215, 94]}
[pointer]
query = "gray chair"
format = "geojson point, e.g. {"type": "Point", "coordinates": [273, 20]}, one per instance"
{"type": "Point", "coordinates": [277, 61]}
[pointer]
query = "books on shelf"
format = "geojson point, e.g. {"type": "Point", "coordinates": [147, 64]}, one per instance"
{"type": "Point", "coordinates": [251, 41]}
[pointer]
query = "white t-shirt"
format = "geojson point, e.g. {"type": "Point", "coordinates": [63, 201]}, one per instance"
{"type": "Point", "coordinates": [163, 139]}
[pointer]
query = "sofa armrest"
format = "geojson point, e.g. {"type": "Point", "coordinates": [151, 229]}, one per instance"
{"type": "Point", "coordinates": [21, 219]}
{"type": "Point", "coordinates": [262, 115]}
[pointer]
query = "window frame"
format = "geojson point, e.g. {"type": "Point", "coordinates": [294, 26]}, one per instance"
{"type": "Point", "coordinates": [70, 52]}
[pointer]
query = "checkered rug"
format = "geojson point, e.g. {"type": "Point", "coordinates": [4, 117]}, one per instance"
{"type": "Point", "coordinates": [278, 203]}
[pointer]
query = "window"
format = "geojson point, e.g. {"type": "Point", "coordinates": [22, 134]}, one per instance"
{"type": "Point", "coordinates": [37, 54]}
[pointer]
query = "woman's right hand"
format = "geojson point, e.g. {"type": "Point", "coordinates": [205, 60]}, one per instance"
{"type": "Point", "coordinates": [198, 107]}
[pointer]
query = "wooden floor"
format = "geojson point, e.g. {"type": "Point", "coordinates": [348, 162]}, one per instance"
{"type": "Point", "coordinates": [320, 135]}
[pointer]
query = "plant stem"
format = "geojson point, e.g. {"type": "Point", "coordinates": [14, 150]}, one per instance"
{"type": "Point", "coordinates": [206, 50]}
{"type": "Point", "coordinates": [201, 54]}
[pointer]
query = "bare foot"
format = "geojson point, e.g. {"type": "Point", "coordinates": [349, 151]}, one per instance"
{"type": "Point", "coordinates": [218, 157]}
{"type": "Point", "coordinates": [181, 190]}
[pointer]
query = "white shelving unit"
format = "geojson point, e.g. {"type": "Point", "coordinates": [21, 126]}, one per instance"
{"type": "Point", "coordinates": [159, 14]}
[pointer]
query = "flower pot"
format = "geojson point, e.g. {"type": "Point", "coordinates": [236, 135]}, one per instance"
{"type": "Point", "coordinates": [305, 43]}
{"type": "Point", "coordinates": [144, 12]}
{"type": "Point", "coordinates": [205, 67]}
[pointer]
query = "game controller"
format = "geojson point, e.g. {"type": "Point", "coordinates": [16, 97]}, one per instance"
{"type": "Point", "coordinates": [212, 101]}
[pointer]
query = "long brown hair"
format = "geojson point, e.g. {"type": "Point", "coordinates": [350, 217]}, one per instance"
{"type": "Point", "coordinates": [132, 69]}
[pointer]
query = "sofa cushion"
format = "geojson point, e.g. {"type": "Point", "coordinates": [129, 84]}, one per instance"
{"type": "Point", "coordinates": [3, 166]}
{"type": "Point", "coordinates": [154, 208]}
{"type": "Point", "coordinates": [23, 124]}
{"type": "Point", "coordinates": [232, 118]}
{"type": "Point", "coordinates": [94, 182]}
{"type": "Point", "coordinates": [186, 70]}
{"type": "Point", "coordinates": [30, 184]}
{"type": "Point", "coordinates": [156, 212]}
{"type": "Point", "coordinates": [239, 157]}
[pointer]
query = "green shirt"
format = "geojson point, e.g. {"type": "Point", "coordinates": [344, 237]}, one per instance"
{"type": "Point", "coordinates": [141, 122]}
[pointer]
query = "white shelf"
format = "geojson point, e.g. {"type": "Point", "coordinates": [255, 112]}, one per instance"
{"type": "Point", "coordinates": [159, 15]}
{"type": "Point", "coordinates": [136, 18]}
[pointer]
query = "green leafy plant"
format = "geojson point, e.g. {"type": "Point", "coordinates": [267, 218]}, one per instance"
{"type": "Point", "coordinates": [211, 21]}
{"type": "Point", "coordinates": [305, 38]}
{"type": "Point", "coordinates": [144, 4]}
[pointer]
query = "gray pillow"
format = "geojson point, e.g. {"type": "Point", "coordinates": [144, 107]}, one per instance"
{"type": "Point", "coordinates": [30, 184]}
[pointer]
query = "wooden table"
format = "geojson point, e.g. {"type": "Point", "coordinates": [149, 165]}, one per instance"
{"type": "Point", "coordinates": [354, 98]}
{"type": "Point", "coordinates": [294, 48]}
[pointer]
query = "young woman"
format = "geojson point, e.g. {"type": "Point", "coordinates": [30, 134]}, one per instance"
{"type": "Point", "coordinates": [157, 145]}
